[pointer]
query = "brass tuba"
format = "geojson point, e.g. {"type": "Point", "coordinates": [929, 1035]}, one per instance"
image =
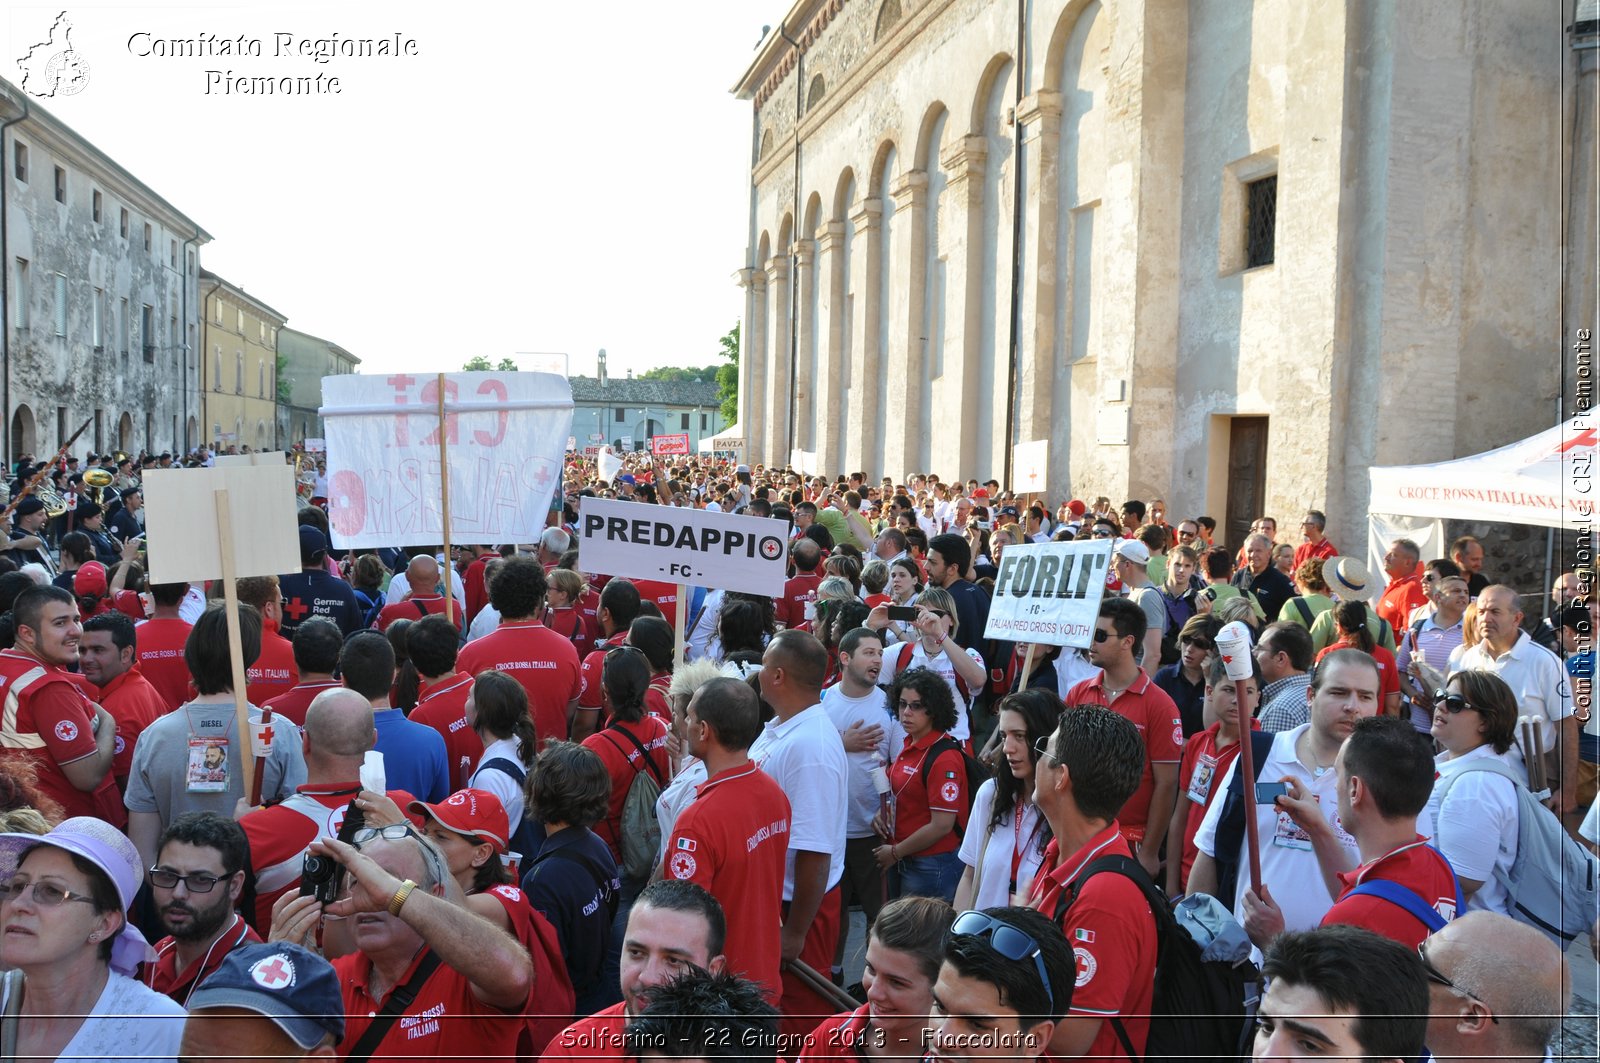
{"type": "Point", "coordinates": [99, 479]}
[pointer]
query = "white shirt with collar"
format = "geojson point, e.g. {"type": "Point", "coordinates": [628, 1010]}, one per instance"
{"type": "Point", "coordinates": [1476, 825]}
{"type": "Point", "coordinates": [805, 756]}
{"type": "Point", "coordinates": [1534, 674]}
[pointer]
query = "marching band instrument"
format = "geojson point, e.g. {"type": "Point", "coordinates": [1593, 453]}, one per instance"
{"type": "Point", "coordinates": [99, 479]}
{"type": "Point", "coordinates": [44, 470]}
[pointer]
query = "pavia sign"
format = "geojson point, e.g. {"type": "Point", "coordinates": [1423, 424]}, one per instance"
{"type": "Point", "coordinates": [716, 550]}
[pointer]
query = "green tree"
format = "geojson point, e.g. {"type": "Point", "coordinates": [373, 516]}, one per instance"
{"type": "Point", "coordinates": [480, 364]}
{"type": "Point", "coordinates": [728, 375]}
{"type": "Point", "coordinates": [678, 375]}
{"type": "Point", "coordinates": [285, 385]}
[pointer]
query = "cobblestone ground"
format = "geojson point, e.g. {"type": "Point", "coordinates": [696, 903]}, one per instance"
{"type": "Point", "coordinates": [1580, 1033]}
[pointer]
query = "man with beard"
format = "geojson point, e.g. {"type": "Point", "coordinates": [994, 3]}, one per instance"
{"type": "Point", "coordinates": [195, 883]}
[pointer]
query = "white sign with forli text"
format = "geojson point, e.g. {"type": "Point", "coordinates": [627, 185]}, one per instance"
{"type": "Point", "coordinates": [505, 435]}
{"type": "Point", "coordinates": [717, 550]}
{"type": "Point", "coordinates": [1049, 593]}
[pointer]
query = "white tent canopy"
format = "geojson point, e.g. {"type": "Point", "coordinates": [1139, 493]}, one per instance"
{"type": "Point", "coordinates": [730, 439]}
{"type": "Point", "coordinates": [1545, 480]}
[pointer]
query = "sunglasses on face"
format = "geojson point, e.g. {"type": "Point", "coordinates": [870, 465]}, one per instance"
{"type": "Point", "coordinates": [1438, 977]}
{"type": "Point", "coordinates": [1101, 634]}
{"type": "Point", "coordinates": [1453, 703]}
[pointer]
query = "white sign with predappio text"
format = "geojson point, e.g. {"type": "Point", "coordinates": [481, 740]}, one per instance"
{"type": "Point", "coordinates": [1049, 593]}
{"type": "Point", "coordinates": [716, 550]}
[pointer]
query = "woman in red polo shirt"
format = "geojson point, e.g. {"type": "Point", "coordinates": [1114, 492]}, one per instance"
{"type": "Point", "coordinates": [928, 783]}
{"type": "Point", "coordinates": [1350, 619]}
{"type": "Point", "coordinates": [652, 636]}
{"type": "Point", "coordinates": [904, 952]}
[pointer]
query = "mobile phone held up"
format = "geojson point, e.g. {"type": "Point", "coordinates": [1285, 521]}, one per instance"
{"type": "Point", "coordinates": [1267, 793]}
{"type": "Point", "coordinates": [902, 612]}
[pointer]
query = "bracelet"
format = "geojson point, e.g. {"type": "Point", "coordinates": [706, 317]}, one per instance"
{"type": "Point", "coordinates": [894, 854]}
{"type": "Point", "coordinates": [399, 899]}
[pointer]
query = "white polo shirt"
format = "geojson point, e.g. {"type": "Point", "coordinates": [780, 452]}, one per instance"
{"type": "Point", "coordinates": [1534, 674]}
{"type": "Point", "coordinates": [869, 711]}
{"type": "Point", "coordinates": [806, 758]}
{"type": "Point", "coordinates": [1288, 862]}
{"type": "Point", "coordinates": [1476, 827]}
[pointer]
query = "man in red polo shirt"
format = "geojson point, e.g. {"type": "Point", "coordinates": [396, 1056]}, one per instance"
{"type": "Point", "coordinates": [338, 733]}
{"type": "Point", "coordinates": [195, 885]}
{"type": "Point", "coordinates": [317, 642]}
{"type": "Point", "coordinates": [67, 739]}
{"type": "Point", "coordinates": [161, 640]}
{"type": "Point", "coordinates": [542, 661]}
{"type": "Point", "coordinates": [422, 598]}
{"type": "Point", "coordinates": [1405, 591]}
{"type": "Point", "coordinates": [1089, 769]}
{"type": "Point", "coordinates": [442, 695]}
{"type": "Point", "coordinates": [106, 659]}
{"type": "Point", "coordinates": [674, 926]}
{"type": "Point", "coordinates": [1385, 781]}
{"type": "Point", "coordinates": [1125, 688]}
{"type": "Point", "coordinates": [800, 590]}
{"type": "Point", "coordinates": [619, 608]}
{"type": "Point", "coordinates": [665, 595]}
{"type": "Point", "coordinates": [1316, 544]}
{"type": "Point", "coordinates": [473, 582]}
{"type": "Point", "coordinates": [471, 979]}
{"type": "Point", "coordinates": [274, 672]}
{"type": "Point", "coordinates": [734, 836]}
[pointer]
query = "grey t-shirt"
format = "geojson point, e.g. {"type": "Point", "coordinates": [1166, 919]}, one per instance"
{"type": "Point", "coordinates": [1148, 598]}
{"type": "Point", "coordinates": [161, 776]}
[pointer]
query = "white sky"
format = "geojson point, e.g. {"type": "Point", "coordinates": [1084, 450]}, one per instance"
{"type": "Point", "coordinates": [539, 177]}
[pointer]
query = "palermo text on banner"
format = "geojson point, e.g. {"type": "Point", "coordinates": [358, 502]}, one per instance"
{"type": "Point", "coordinates": [504, 438]}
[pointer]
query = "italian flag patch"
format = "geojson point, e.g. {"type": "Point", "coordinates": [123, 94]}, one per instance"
{"type": "Point", "coordinates": [1085, 936]}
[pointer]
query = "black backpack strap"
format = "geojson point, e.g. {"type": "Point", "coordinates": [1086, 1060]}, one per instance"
{"type": "Point", "coordinates": [644, 757]}
{"type": "Point", "coordinates": [596, 872]}
{"type": "Point", "coordinates": [942, 745]}
{"type": "Point", "coordinates": [1134, 872]}
{"type": "Point", "coordinates": [399, 1000]}
{"type": "Point", "coordinates": [510, 767]}
{"type": "Point", "coordinates": [1231, 825]}
{"type": "Point", "coordinates": [422, 610]}
{"type": "Point", "coordinates": [1305, 611]}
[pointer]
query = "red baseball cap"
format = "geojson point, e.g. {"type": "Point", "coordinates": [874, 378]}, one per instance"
{"type": "Point", "coordinates": [477, 813]}
{"type": "Point", "coordinates": [90, 580]}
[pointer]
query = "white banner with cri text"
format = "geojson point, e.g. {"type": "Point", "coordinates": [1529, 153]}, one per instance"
{"type": "Point", "coordinates": [1049, 593]}
{"type": "Point", "coordinates": [505, 436]}
{"type": "Point", "coordinates": [717, 550]}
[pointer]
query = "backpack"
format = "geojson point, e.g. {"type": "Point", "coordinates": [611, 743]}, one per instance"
{"type": "Point", "coordinates": [523, 840]}
{"type": "Point", "coordinates": [904, 661]}
{"type": "Point", "coordinates": [1230, 824]}
{"type": "Point", "coordinates": [1200, 1007]}
{"type": "Point", "coordinates": [639, 830]}
{"type": "Point", "coordinates": [977, 775]}
{"type": "Point", "coordinates": [1551, 884]}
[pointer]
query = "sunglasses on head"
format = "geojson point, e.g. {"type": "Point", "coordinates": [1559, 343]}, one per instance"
{"type": "Point", "coordinates": [1012, 944]}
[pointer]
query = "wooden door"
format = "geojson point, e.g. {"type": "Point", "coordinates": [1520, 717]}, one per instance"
{"type": "Point", "coordinates": [1247, 478]}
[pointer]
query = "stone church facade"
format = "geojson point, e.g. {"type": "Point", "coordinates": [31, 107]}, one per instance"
{"type": "Point", "coordinates": [1231, 254]}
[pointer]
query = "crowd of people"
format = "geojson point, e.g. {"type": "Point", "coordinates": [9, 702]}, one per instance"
{"type": "Point", "coordinates": [501, 812]}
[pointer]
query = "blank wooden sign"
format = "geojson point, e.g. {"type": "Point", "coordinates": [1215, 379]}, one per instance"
{"type": "Point", "coordinates": [181, 522]}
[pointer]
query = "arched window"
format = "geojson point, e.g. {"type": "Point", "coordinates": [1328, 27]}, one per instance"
{"type": "Point", "coordinates": [766, 143]}
{"type": "Point", "coordinates": [814, 94]}
{"type": "Point", "coordinates": [888, 15]}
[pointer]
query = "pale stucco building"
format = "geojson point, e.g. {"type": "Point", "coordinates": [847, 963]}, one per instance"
{"type": "Point", "coordinates": [1261, 244]}
{"type": "Point", "coordinates": [239, 374]}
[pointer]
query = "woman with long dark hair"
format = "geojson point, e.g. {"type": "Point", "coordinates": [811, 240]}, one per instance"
{"type": "Point", "coordinates": [1007, 836]}
{"type": "Point", "coordinates": [1350, 620]}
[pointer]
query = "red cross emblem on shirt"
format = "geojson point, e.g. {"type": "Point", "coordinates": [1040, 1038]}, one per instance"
{"type": "Point", "coordinates": [296, 609]}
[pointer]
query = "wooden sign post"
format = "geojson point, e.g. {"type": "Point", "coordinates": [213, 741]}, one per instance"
{"type": "Point", "coordinates": [444, 511]}
{"type": "Point", "coordinates": [224, 523]}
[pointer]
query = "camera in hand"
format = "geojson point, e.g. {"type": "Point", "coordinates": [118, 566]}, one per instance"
{"type": "Point", "coordinates": [321, 876]}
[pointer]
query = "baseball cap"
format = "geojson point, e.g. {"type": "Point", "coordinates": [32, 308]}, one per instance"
{"type": "Point", "coordinates": [1077, 508]}
{"type": "Point", "coordinates": [293, 986]}
{"type": "Point", "coordinates": [1008, 511]}
{"type": "Point", "coordinates": [312, 542]}
{"type": "Point", "coordinates": [1132, 550]}
{"type": "Point", "coordinates": [90, 579]}
{"type": "Point", "coordinates": [477, 813]}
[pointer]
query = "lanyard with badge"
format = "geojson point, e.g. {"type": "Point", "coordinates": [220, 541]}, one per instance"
{"type": "Point", "coordinates": [207, 770]}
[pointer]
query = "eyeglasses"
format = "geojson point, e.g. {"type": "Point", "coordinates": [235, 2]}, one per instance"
{"type": "Point", "coordinates": [1453, 703]}
{"type": "Point", "coordinates": [199, 882]}
{"type": "Point", "coordinates": [45, 894]}
{"type": "Point", "coordinates": [1438, 977]}
{"type": "Point", "coordinates": [395, 832]}
{"type": "Point", "coordinates": [1042, 748]}
{"type": "Point", "coordinates": [1009, 942]}
{"type": "Point", "coordinates": [904, 704]}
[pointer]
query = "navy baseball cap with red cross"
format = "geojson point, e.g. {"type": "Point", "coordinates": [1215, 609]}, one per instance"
{"type": "Point", "coordinates": [294, 987]}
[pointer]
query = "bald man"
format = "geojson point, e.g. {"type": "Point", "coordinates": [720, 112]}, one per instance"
{"type": "Point", "coordinates": [338, 733]}
{"type": "Point", "coordinates": [424, 595]}
{"type": "Point", "coordinates": [1497, 990]}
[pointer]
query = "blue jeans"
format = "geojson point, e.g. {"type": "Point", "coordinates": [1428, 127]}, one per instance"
{"type": "Point", "coordinates": [929, 876]}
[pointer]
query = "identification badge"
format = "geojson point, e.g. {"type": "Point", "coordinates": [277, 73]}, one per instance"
{"type": "Point", "coordinates": [208, 766]}
{"type": "Point", "coordinates": [1205, 773]}
{"type": "Point", "coordinates": [1288, 835]}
